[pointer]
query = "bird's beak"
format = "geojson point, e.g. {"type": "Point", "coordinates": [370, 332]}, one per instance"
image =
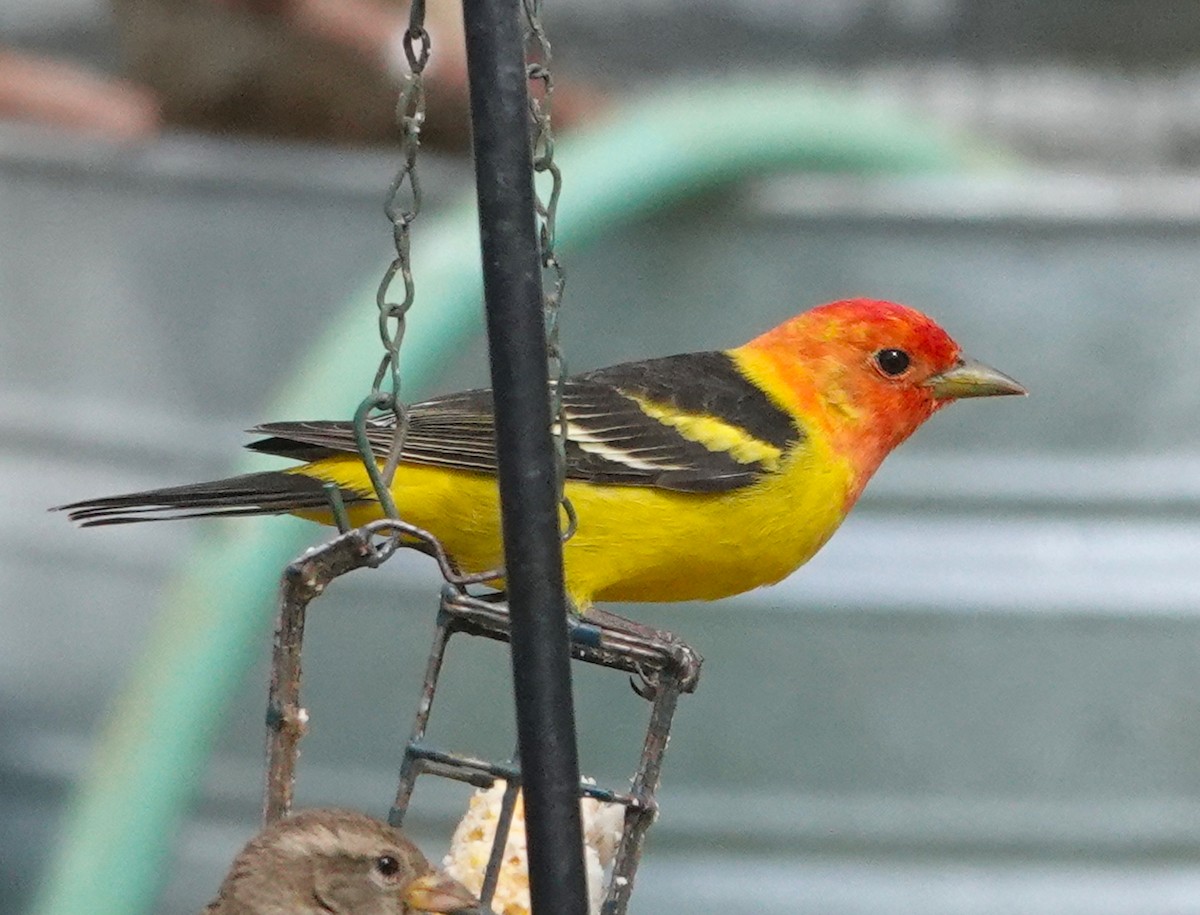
{"type": "Point", "coordinates": [971, 379]}
{"type": "Point", "coordinates": [435, 892]}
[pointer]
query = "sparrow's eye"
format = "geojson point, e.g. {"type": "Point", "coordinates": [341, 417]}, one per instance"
{"type": "Point", "coordinates": [387, 865]}
{"type": "Point", "coordinates": [892, 361]}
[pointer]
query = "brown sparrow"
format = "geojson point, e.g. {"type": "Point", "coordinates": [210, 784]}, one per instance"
{"type": "Point", "coordinates": [335, 862]}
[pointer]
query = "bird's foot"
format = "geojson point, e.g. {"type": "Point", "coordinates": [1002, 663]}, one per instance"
{"type": "Point", "coordinates": [684, 661]}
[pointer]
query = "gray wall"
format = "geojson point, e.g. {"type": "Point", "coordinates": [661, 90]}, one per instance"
{"type": "Point", "coordinates": [981, 697]}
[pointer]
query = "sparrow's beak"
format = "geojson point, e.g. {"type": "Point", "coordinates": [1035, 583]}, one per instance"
{"type": "Point", "coordinates": [971, 379]}
{"type": "Point", "coordinates": [435, 892]}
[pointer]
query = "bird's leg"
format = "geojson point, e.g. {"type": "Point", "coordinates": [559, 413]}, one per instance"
{"type": "Point", "coordinates": [606, 619]}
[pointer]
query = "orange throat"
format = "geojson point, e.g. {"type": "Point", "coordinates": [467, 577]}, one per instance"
{"type": "Point", "coordinates": [858, 422]}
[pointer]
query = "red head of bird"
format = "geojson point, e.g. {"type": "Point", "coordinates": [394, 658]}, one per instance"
{"type": "Point", "coordinates": [868, 373]}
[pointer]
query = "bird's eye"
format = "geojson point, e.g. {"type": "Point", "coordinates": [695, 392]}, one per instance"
{"type": "Point", "coordinates": [387, 865]}
{"type": "Point", "coordinates": [892, 361]}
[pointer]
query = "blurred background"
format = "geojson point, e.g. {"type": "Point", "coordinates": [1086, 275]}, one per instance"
{"type": "Point", "coordinates": [982, 697]}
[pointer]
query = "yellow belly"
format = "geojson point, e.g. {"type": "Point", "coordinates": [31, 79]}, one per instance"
{"type": "Point", "coordinates": [632, 544]}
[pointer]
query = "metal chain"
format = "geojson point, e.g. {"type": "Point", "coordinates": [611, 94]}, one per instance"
{"type": "Point", "coordinates": [402, 208]}
{"type": "Point", "coordinates": [541, 96]}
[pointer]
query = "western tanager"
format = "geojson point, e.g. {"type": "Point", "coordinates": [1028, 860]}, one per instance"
{"type": "Point", "coordinates": [694, 476]}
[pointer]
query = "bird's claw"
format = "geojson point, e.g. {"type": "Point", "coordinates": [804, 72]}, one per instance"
{"type": "Point", "coordinates": [644, 684]}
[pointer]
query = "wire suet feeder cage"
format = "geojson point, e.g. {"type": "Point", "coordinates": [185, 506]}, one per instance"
{"type": "Point", "coordinates": [507, 53]}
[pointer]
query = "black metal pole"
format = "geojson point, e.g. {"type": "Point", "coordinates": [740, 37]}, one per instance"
{"type": "Point", "coordinates": [512, 286]}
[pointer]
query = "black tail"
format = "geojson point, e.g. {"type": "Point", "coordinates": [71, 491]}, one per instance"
{"type": "Point", "coordinates": [269, 493]}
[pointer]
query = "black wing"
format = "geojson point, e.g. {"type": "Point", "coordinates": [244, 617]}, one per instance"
{"type": "Point", "coordinates": [623, 427]}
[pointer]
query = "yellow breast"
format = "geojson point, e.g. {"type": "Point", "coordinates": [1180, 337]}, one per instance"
{"type": "Point", "coordinates": [635, 543]}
